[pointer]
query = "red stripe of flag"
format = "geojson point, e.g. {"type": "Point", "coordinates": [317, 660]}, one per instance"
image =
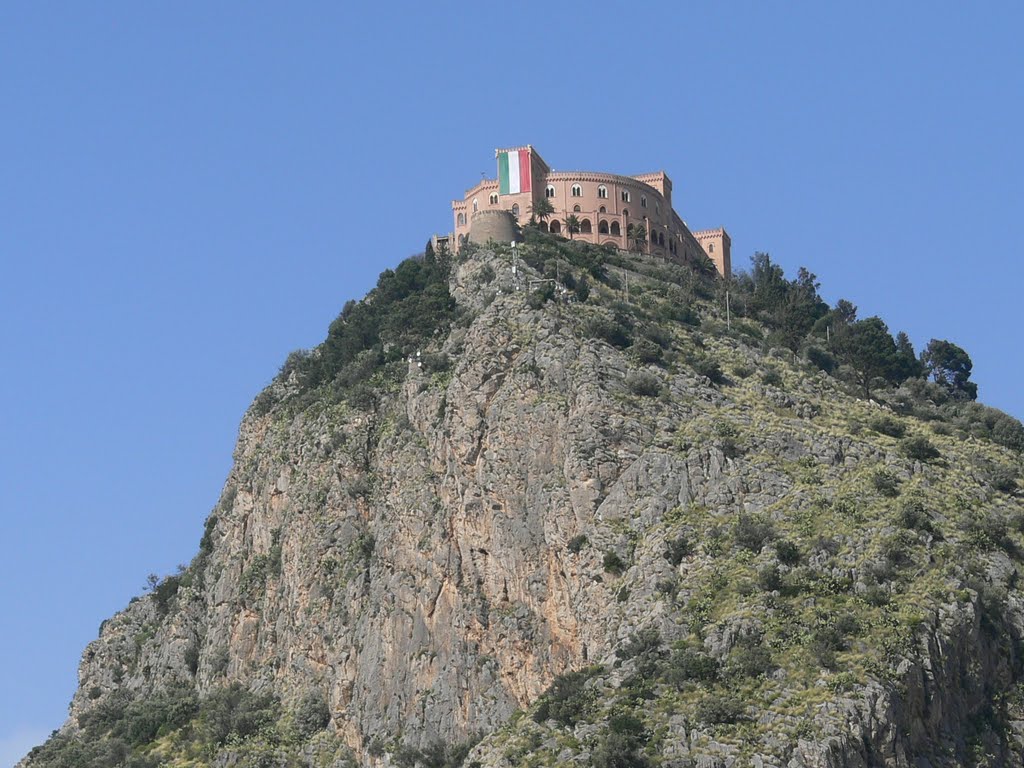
{"type": "Point", "coordinates": [525, 177]}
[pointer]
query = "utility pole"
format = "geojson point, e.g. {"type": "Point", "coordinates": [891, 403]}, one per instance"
{"type": "Point", "coordinates": [728, 311]}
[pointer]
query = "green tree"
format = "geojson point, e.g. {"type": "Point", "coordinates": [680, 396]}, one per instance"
{"type": "Point", "coordinates": [768, 283]}
{"type": "Point", "coordinates": [950, 367]}
{"type": "Point", "coordinates": [799, 310]}
{"type": "Point", "coordinates": [572, 224]}
{"type": "Point", "coordinates": [868, 348]}
{"type": "Point", "coordinates": [907, 364]}
{"type": "Point", "coordinates": [637, 234]}
{"type": "Point", "coordinates": [542, 209]}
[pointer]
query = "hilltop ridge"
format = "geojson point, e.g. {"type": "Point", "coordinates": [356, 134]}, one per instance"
{"type": "Point", "coordinates": [574, 513]}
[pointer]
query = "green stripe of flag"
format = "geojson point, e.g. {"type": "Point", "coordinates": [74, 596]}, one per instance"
{"type": "Point", "coordinates": [503, 173]}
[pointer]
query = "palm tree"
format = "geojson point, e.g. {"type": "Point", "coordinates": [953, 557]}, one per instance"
{"type": "Point", "coordinates": [572, 224]}
{"type": "Point", "coordinates": [542, 209]}
{"type": "Point", "coordinates": [637, 234]}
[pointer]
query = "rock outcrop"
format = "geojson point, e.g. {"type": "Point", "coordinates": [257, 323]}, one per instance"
{"type": "Point", "coordinates": [521, 499]}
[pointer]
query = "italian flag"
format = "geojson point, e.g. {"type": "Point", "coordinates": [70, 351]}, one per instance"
{"type": "Point", "coordinates": [514, 172]}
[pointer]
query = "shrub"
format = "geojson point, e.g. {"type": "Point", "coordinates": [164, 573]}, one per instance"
{"type": "Point", "coordinates": [582, 290]}
{"type": "Point", "coordinates": [567, 700]}
{"type": "Point", "coordinates": [312, 714]}
{"type": "Point", "coordinates": [727, 435]}
{"type": "Point", "coordinates": [705, 366]}
{"type": "Point", "coordinates": [769, 579]}
{"type": "Point", "coordinates": [742, 371]}
{"type": "Point", "coordinates": [613, 563]}
{"type": "Point", "coordinates": [235, 711]}
{"type": "Point", "coordinates": [887, 425]}
{"type": "Point", "coordinates": [686, 665]}
{"type": "Point", "coordinates": [1003, 479]}
{"type": "Point", "coordinates": [645, 641]}
{"type": "Point", "coordinates": [749, 658]}
{"type": "Point", "coordinates": [771, 378]}
{"type": "Point", "coordinates": [164, 593]}
{"type": "Point", "coordinates": [643, 384]}
{"type": "Point", "coordinates": [159, 714]}
{"type": "Point", "coordinates": [919, 448]}
{"type": "Point", "coordinates": [618, 749]}
{"type": "Point", "coordinates": [576, 543]}
{"type": "Point", "coordinates": [989, 531]}
{"type": "Point", "coordinates": [821, 359]}
{"type": "Point", "coordinates": [719, 710]}
{"type": "Point", "coordinates": [539, 297]}
{"type": "Point", "coordinates": [752, 534]}
{"type": "Point", "coordinates": [617, 330]}
{"type": "Point", "coordinates": [913, 516]}
{"type": "Point", "coordinates": [787, 552]}
{"type": "Point", "coordinates": [886, 483]}
{"type": "Point", "coordinates": [647, 352]}
{"type": "Point", "coordinates": [677, 549]}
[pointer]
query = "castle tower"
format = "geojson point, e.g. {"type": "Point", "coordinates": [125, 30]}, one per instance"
{"type": "Point", "coordinates": [717, 246]}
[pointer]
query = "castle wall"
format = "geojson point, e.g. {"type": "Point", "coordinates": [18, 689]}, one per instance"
{"type": "Point", "coordinates": [496, 225]}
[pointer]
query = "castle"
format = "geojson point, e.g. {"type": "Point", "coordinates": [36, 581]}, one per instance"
{"type": "Point", "coordinates": [608, 209]}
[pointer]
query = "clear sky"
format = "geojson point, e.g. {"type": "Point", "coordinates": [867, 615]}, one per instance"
{"type": "Point", "coordinates": [188, 191]}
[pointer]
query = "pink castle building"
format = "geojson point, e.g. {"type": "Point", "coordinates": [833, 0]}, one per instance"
{"type": "Point", "coordinates": [608, 208]}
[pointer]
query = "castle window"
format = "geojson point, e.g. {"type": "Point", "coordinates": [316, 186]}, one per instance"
{"type": "Point", "coordinates": [602, 227]}
{"type": "Point", "coordinates": [556, 226]}
{"type": "Point", "coordinates": [616, 229]}
{"type": "Point", "coordinates": [577, 190]}
{"type": "Point", "coordinates": [711, 247]}
{"type": "Point", "coordinates": [461, 220]}
{"type": "Point", "coordinates": [625, 211]}
{"type": "Point", "coordinates": [494, 198]}
{"type": "Point", "coordinates": [661, 239]}
{"type": "Point", "coordinates": [576, 209]}
{"type": "Point", "coordinates": [625, 195]}
{"type": "Point", "coordinates": [602, 191]}
{"type": "Point", "coordinates": [602, 209]}
{"type": "Point", "coordinates": [585, 227]}
{"type": "Point", "coordinates": [475, 206]}
{"type": "Point", "coordinates": [515, 210]}
{"type": "Point", "coordinates": [657, 208]}
{"type": "Point", "coordinates": [643, 201]}
{"type": "Point", "coordinates": [549, 191]}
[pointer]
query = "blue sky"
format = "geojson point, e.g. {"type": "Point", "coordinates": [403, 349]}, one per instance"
{"type": "Point", "coordinates": [189, 192]}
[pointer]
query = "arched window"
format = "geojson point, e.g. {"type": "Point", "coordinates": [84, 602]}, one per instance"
{"type": "Point", "coordinates": [657, 208]}
{"type": "Point", "coordinates": [461, 220]}
{"type": "Point", "coordinates": [549, 191]}
{"type": "Point", "coordinates": [577, 190]}
{"type": "Point", "coordinates": [601, 209]}
{"type": "Point", "coordinates": [711, 247]}
{"type": "Point", "coordinates": [475, 206]}
{"type": "Point", "coordinates": [661, 239]}
{"type": "Point", "coordinates": [602, 227]}
{"type": "Point", "coordinates": [625, 211]}
{"type": "Point", "coordinates": [616, 229]}
{"type": "Point", "coordinates": [556, 226]}
{"type": "Point", "coordinates": [542, 226]}
{"type": "Point", "coordinates": [576, 209]}
{"type": "Point", "coordinates": [515, 210]}
{"type": "Point", "coordinates": [625, 195]}
{"type": "Point", "coordinates": [494, 198]}
{"type": "Point", "coordinates": [585, 228]}
{"type": "Point", "coordinates": [602, 191]}
{"type": "Point", "coordinates": [643, 201]}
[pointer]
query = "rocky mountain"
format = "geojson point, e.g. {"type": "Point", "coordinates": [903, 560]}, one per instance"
{"type": "Point", "coordinates": [497, 521]}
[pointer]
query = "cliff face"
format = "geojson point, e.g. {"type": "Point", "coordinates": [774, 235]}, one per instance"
{"type": "Point", "coordinates": [749, 572]}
